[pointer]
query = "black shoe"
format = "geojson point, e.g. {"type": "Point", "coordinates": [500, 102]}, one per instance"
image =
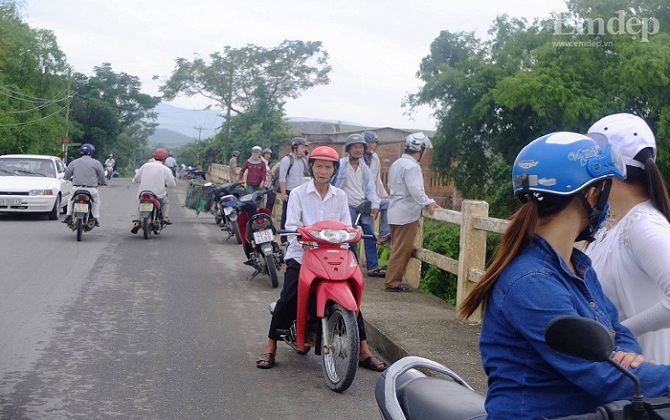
{"type": "Point", "coordinates": [67, 219]}
{"type": "Point", "coordinates": [402, 287]}
{"type": "Point", "coordinates": [96, 222]}
{"type": "Point", "coordinates": [249, 262]}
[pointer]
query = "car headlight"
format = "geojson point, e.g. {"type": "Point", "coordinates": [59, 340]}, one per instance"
{"type": "Point", "coordinates": [335, 236]}
{"type": "Point", "coordinates": [41, 192]}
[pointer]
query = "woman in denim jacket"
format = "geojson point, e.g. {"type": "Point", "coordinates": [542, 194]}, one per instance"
{"type": "Point", "coordinates": [564, 180]}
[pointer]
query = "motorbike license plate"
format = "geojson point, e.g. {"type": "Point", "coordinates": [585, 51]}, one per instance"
{"type": "Point", "coordinates": [227, 210]}
{"type": "Point", "coordinates": [146, 206]}
{"type": "Point", "coordinates": [263, 236]}
{"type": "Point", "coordinates": [10, 201]}
{"type": "Point", "coordinates": [80, 208]}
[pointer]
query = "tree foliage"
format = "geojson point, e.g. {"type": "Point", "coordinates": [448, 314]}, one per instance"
{"type": "Point", "coordinates": [251, 80]}
{"type": "Point", "coordinates": [491, 97]}
{"type": "Point", "coordinates": [109, 104]}
{"type": "Point", "coordinates": [32, 89]}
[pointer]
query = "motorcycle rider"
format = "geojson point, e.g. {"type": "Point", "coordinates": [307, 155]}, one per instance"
{"type": "Point", "coordinates": [109, 164]}
{"type": "Point", "coordinates": [154, 176]}
{"type": "Point", "coordinates": [311, 202]}
{"type": "Point", "coordinates": [537, 274]}
{"type": "Point", "coordinates": [171, 163]}
{"type": "Point", "coordinates": [86, 173]}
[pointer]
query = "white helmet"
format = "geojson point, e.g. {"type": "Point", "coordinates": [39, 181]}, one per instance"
{"type": "Point", "coordinates": [257, 149]}
{"type": "Point", "coordinates": [417, 142]}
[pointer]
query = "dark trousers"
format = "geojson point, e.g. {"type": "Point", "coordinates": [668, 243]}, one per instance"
{"type": "Point", "coordinates": [284, 207]}
{"type": "Point", "coordinates": [270, 200]}
{"type": "Point", "coordinates": [287, 306]}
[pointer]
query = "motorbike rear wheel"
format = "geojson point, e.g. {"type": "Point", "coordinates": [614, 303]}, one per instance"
{"type": "Point", "coordinates": [236, 231]}
{"type": "Point", "coordinates": [340, 360]}
{"type": "Point", "coordinates": [272, 270]}
{"type": "Point", "coordinates": [80, 229]}
{"type": "Point", "coordinates": [146, 227]}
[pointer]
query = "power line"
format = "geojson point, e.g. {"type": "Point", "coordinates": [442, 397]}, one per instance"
{"type": "Point", "coordinates": [33, 121]}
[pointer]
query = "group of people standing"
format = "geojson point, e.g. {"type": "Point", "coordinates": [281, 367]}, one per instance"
{"type": "Point", "coordinates": [359, 176]}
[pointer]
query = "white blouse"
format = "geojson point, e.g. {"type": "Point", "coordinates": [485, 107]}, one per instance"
{"type": "Point", "coordinates": [632, 260]}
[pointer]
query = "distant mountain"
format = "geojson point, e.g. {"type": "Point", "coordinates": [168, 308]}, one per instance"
{"type": "Point", "coordinates": [193, 123]}
{"type": "Point", "coordinates": [180, 126]}
{"type": "Point", "coordinates": [168, 138]}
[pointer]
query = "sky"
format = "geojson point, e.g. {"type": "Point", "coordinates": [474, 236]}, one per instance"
{"type": "Point", "coordinates": [375, 46]}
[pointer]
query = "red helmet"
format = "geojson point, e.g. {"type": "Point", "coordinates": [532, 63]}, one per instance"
{"type": "Point", "coordinates": [160, 154]}
{"type": "Point", "coordinates": [324, 153]}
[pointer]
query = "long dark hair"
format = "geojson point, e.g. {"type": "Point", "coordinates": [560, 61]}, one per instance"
{"type": "Point", "coordinates": [652, 181]}
{"type": "Point", "coordinates": [517, 237]}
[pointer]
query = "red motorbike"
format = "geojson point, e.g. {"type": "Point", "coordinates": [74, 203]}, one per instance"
{"type": "Point", "coordinates": [330, 288]}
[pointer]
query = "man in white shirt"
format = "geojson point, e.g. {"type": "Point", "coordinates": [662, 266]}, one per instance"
{"type": "Point", "coordinates": [154, 176]}
{"type": "Point", "coordinates": [171, 163]}
{"type": "Point", "coordinates": [311, 202]}
{"type": "Point", "coordinates": [408, 198]}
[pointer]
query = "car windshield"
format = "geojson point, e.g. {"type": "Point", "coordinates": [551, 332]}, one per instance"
{"type": "Point", "coordinates": [27, 167]}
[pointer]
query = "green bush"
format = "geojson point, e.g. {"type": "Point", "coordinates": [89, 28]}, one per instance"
{"type": "Point", "coordinates": [443, 238]}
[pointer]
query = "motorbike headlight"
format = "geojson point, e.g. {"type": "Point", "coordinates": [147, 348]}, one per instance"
{"type": "Point", "coordinates": [335, 236]}
{"type": "Point", "coordinates": [41, 192]}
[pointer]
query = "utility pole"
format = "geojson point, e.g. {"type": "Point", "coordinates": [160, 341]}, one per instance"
{"type": "Point", "coordinates": [199, 128]}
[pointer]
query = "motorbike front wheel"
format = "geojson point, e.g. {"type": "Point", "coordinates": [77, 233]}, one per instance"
{"type": "Point", "coordinates": [146, 227]}
{"type": "Point", "coordinates": [272, 270]}
{"type": "Point", "coordinates": [340, 358]}
{"type": "Point", "coordinates": [80, 229]}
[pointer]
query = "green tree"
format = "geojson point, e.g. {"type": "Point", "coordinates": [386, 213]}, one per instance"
{"type": "Point", "coordinates": [492, 97]}
{"type": "Point", "coordinates": [235, 78]}
{"type": "Point", "coordinates": [33, 75]}
{"type": "Point", "coordinates": [110, 104]}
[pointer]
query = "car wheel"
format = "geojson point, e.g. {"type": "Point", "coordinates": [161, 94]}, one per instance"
{"type": "Point", "coordinates": [53, 214]}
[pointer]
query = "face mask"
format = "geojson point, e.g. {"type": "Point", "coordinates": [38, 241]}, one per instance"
{"type": "Point", "coordinates": [603, 218]}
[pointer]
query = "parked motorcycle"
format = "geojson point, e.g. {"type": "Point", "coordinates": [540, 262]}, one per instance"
{"type": "Point", "coordinates": [151, 216]}
{"type": "Point", "coordinates": [193, 173]}
{"type": "Point", "coordinates": [404, 393]}
{"type": "Point", "coordinates": [258, 236]}
{"type": "Point", "coordinates": [330, 289]}
{"type": "Point", "coordinates": [82, 219]}
{"type": "Point", "coordinates": [224, 208]}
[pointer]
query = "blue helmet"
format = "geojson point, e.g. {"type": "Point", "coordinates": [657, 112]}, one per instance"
{"type": "Point", "coordinates": [87, 149]}
{"type": "Point", "coordinates": [370, 136]}
{"type": "Point", "coordinates": [563, 163]}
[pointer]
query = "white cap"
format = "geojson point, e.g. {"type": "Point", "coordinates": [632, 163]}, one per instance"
{"type": "Point", "coordinates": [627, 133]}
{"type": "Point", "coordinates": [256, 149]}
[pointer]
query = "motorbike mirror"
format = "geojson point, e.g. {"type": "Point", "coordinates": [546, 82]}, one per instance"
{"type": "Point", "coordinates": [580, 337]}
{"type": "Point", "coordinates": [364, 208]}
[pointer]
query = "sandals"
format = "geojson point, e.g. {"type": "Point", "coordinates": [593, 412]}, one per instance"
{"type": "Point", "coordinates": [265, 361]}
{"type": "Point", "coordinates": [377, 272]}
{"type": "Point", "coordinates": [373, 363]}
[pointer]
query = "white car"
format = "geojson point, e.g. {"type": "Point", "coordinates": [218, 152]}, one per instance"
{"type": "Point", "coordinates": [33, 183]}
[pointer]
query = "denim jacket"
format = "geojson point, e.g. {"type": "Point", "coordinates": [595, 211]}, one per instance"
{"type": "Point", "coordinates": [528, 380]}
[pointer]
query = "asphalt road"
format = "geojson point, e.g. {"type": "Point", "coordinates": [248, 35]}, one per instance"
{"type": "Point", "coordinates": [119, 327]}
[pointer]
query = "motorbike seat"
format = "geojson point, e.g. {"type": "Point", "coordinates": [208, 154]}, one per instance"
{"type": "Point", "coordinates": [431, 398]}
